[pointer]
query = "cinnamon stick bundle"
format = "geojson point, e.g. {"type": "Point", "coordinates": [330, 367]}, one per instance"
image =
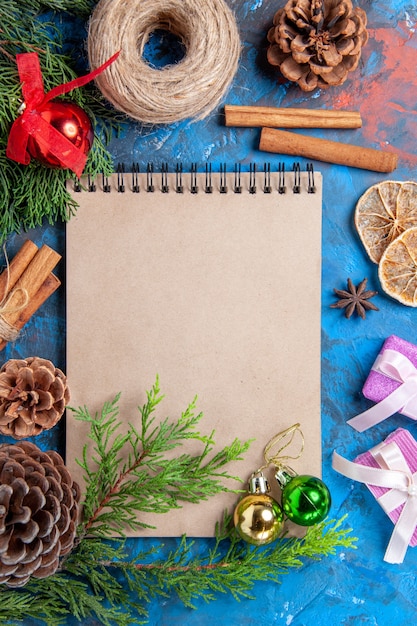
{"type": "Point", "coordinates": [25, 285]}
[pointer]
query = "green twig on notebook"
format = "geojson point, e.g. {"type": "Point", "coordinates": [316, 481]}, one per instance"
{"type": "Point", "coordinates": [129, 474]}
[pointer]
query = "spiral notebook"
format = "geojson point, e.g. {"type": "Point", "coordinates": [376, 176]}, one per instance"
{"type": "Point", "coordinates": [211, 281]}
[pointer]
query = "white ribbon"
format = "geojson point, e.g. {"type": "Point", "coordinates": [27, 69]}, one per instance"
{"type": "Point", "coordinates": [397, 367]}
{"type": "Point", "coordinates": [393, 474]}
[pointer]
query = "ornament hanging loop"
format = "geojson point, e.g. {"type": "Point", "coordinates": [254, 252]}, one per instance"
{"type": "Point", "coordinates": [274, 449]}
{"type": "Point", "coordinates": [305, 499]}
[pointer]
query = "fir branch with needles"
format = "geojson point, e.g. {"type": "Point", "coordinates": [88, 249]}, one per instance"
{"type": "Point", "coordinates": [128, 473]}
{"type": "Point", "coordinates": [100, 578]}
{"type": "Point", "coordinates": [31, 194]}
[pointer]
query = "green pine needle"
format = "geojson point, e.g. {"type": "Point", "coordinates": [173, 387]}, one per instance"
{"type": "Point", "coordinates": [117, 489]}
{"type": "Point", "coordinates": [31, 194]}
{"type": "Point", "coordinates": [100, 579]}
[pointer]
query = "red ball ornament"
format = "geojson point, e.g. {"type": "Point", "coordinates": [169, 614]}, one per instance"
{"type": "Point", "coordinates": [71, 121]}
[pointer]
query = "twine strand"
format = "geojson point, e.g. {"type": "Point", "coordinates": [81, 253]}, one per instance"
{"type": "Point", "coordinates": [191, 88]}
{"type": "Point", "coordinates": [7, 331]}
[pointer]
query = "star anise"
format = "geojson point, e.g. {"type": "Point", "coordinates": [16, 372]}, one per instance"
{"type": "Point", "coordinates": [355, 299]}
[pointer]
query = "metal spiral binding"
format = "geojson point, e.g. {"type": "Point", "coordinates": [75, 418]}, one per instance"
{"type": "Point", "coordinates": [252, 178]}
{"type": "Point", "coordinates": [281, 178]}
{"type": "Point", "coordinates": [237, 187]}
{"type": "Point", "coordinates": [194, 186]}
{"type": "Point", "coordinates": [135, 178]}
{"type": "Point", "coordinates": [179, 187]}
{"type": "Point", "coordinates": [208, 186]}
{"type": "Point", "coordinates": [164, 177]}
{"type": "Point", "coordinates": [265, 187]}
{"type": "Point", "coordinates": [223, 178]}
{"type": "Point", "coordinates": [311, 188]}
{"type": "Point", "coordinates": [105, 184]}
{"type": "Point", "coordinates": [149, 178]}
{"type": "Point", "coordinates": [267, 178]}
{"type": "Point", "coordinates": [91, 185]}
{"type": "Point", "coordinates": [297, 178]}
{"type": "Point", "coordinates": [120, 178]}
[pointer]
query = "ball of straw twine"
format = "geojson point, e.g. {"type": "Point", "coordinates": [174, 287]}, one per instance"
{"type": "Point", "coordinates": [191, 88]}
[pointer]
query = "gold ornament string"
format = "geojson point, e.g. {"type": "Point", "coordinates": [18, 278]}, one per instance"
{"type": "Point", "coordinates": [7, 331]}
{"type": "Point", "coordinates": [273, 455]}
{"type": "Point", "coordinates": [191, 88]}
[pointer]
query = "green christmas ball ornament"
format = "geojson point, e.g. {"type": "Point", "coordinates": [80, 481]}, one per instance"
{"type": "Point", "coordinates": [258, 518]}
{"type": "Point", "coordinates": [306, 499]}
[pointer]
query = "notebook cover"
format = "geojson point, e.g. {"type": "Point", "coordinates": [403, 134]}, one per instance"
{"type": "Point", "coordinates": [219, 295]}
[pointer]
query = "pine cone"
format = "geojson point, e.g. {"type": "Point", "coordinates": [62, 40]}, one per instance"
{"type": "Point", "coordinates": [38, 512]}
{"type": "Point", "coordinates": [317, 42]}
{"type": "Point", "coordinates": [33, 396]}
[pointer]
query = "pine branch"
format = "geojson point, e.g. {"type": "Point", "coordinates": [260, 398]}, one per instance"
{"type": "Point", "coordinates": [77, 7]}
{"type": "Point", "coordinates": [128, 473]}
{"type": "Point", "coordinates": [231, 566]}
{"type": "Point", "coordinates": [34, 193]}
{"type": "Point", "coordinates": [235, 567]}
{"type": "Point", "coordinates": [99, 579]}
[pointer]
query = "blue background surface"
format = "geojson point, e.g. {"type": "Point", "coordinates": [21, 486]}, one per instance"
{"type": "Point", "coordinates": [356, 586]}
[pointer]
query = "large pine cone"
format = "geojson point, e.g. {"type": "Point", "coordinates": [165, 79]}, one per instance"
{"type": "Point", "coordinates": [317, 42]}
{"type": "Point", "coordinates": [38, 512]}
{"type": "Point", "coordinates": [33, 396]}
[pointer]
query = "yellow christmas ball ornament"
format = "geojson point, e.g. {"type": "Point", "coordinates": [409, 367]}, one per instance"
{"type": "Point", "coordinates": [258, 518]}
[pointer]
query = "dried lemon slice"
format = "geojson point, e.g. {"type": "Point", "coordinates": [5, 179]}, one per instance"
{"type": "Point", "coordinates": [398, 268]}
{"type": "Point", "coordinates": [383, 212]}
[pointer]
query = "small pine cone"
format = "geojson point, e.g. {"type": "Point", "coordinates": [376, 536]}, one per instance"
{"type": "Point", "coordinates": [33, 396]}
{"type": "Point", "coordinates": [38, 512]}
{"type": "Point", "coordinates": [315, 43]}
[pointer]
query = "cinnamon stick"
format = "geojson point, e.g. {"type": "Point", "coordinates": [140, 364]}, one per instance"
{"type": "Point", "coordinates": [290, 118]}
{"type": "Point", "coordinates": [48, 287]}
{"type": "Point", "coordinates": [29, 291]}
{"type": "Point", "coordinates": [16, 267]}
{"type": "Point", "coordinates": [32, 278]}
{"type": "Point", "coordinates": [285, 142]}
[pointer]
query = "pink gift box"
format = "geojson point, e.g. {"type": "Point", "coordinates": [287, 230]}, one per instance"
{"type": "Point", "coordinates": [407, 446]}
{"type": "Point", "coordinates": [391, 383]}
{"type": "Point", "coordinates": [378, 386]}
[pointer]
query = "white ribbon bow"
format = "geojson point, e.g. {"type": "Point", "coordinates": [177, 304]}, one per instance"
{"type": "Point", "coordinates": [393, 474]}
{"type": "Point", "coordinates": [398, 367]}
